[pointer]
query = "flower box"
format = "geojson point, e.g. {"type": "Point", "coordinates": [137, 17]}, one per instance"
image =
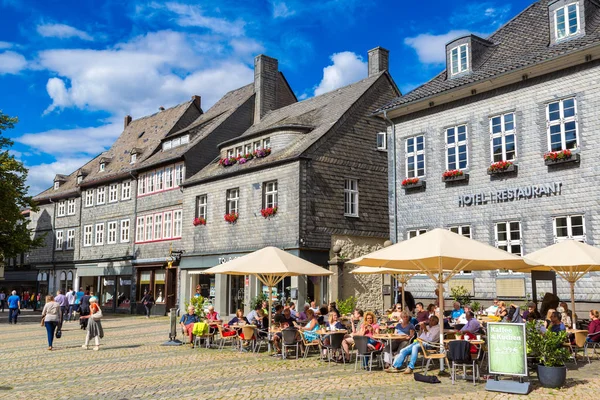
{"type": "Point", "coordinates": [502, 167]}
{"type": "Point", "coordinates": [412, 183]}
{"type": "Point", "coordinates": [454, 175]}
{"type": "Point", "coordinates": [199, 221]}
{"type": "Point", "coordinates": [244, 158]}
{"type": "Point", "coordinates": [268, 212]}
{"type": "Point", "coordinates": [232, 217]}
{"type": "Point", "coordinates": [560, 157]}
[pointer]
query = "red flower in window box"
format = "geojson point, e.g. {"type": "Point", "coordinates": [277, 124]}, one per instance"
{"type": "Point", "coordinates": [269, 211]}
{"type": "Point", "coordinates": [231, 217]}
{"type": "Point", "coordinates": [227, 161]}
{"type": "Point", "coordinates": [199, 221]}
{"type": "Point", "coordinates": [410, 181]}
{"type": "Point", "coordinates": [500, 166]}
{"type": "Point", "coordinates": [558, 155]}
{"type": "Point", "coordinates": [452, 173]}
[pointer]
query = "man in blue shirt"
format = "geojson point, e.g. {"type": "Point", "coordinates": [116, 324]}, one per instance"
{"type": "Point", "coordinates": [557, 325]}
{"type": "Point", "coordinates": [14, 304]}
{"type": "Point", "coordinates": [187, 322]}
{"type": "Point", "coordinates": [457, 311]}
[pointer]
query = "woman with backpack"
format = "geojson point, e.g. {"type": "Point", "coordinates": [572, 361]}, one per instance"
{"type": "Point", "coordinates": [148, 301]}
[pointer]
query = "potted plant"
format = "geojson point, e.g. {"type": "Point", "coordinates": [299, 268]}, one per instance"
{"type": "Point", "coordinates": [199, 221]}
{"type": "Point", "coordinates": [476, 306]}
{"type": "Point", "coordinates": [454, 175]}
{"type": "Point", "coordinates": [559, 157]}
{"type": "Point", "coordinates": [549, 350]}
{"type": "Point", "coordinates": [461, 294]}
{"type": "Point", "coordinates": [501, 167]}
{"type": "Point", "coordinates": [269, 212]}
{"type": "Point", "coordinates": [410, 183]}
{"type": "Point", "coordinates": [231, 217]}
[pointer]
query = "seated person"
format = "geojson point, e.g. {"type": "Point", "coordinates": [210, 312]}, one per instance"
{"type": "Point", "coordinates": [396, 314]}
{"type": "Point", "coordinates": [187, 322]}
{"type": "Point", "coordinates": [457, 311]}
{"type": "Point", "coordinates": [369, 327]}
{"type": "Point", "coordinates": [539, 324]}
{"type": "Point", "coordinates": [556, 323]}
{"type": "Point", "coordinates": [472, 326]}
{"type": "Point", "coordinates": [293, 310]}
{"type": "Point", "coordinates": [501, 312]}
{"type": "Point", "coordinates": [421, 314]}
{"type": "Point", "coordinates": [514, 315]}
{"type": "Point", "coordinates": [404, 328]}
{"type": "Point", "coordinates": [357, 319]}
{"type": "Point", "coordinates": [430, 333]}
{"type": "Point", "coordinates": [548, 321]}
{"type": "Point", "coordinates": [333, 308]}
{"type": "Point", "coordinates": [531, 309]}
{"type": "Point", "coordinates": [238, 319]}
{"type": "Point", "coordinates": [491, 310]}
{"type": "Point", "coordinates": [462, 320]}
{"type": "Point", "coordinates": [302, 315]}
{"type": "Point", "coordinates": [252, 316]}
{"type": "Point", "coordinates": [332, 325]}
{"type": "Point", "coordinates": [323, 315]}
{"type": "Point", "coordinates": [564, 316]}
{"type": "Point", "coordinates": [213, 319]}
{"type": "Point", "coordinates": [285, 321]}
{"type": "Point", "coordinates": [278, 314]}
{"type": "Point", "coordinates": [594, 327]}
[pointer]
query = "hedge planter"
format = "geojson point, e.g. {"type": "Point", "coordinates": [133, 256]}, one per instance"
{"type": "Point", "coordinates": [419, 184]}
{"type": "Point", "coordinates": [574, 158]}
{"type": "Point", "coordinates": [455, 178]}
{"type": "Point", "coordinates": [551, 377]}
{"type": "Point", "coordinates": [509, 169]}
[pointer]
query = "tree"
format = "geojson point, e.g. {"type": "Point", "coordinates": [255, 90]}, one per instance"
{"type": "Point", "coordinates": [15, 236]}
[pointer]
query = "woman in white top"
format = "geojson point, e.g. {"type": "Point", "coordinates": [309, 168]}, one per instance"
{"type": "Point", "coordinates": [51, 318]}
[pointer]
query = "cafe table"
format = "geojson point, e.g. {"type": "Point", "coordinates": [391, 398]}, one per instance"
{"type": "Point", "coordinates": [389, 338]}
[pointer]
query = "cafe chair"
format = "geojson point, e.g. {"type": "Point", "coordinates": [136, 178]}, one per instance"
{"type": "Point", "coordinates": [591, 345]}
{"type": "Point", "coordinates": [289, 338]}
{"type": "Point", "coordinates": [334, 347]}
{"type": "Point", "coordinates": [308, 345]}
{"type": "Point", "coordinates": [459, 353]}
{"type": "Point", "coordinates": [361, 343]}
{"type": "Point", "coordinates": [431, 351]}
{"type": "Point", "coordinates": [227, 336]}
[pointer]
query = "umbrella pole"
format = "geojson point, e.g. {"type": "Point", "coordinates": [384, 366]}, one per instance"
{"type": "Point", "coordinates": [573, 319]}
{"type": "Point", "coordinates": [270, 289]}
{"type": "Point", "coordinates": [403, 299]}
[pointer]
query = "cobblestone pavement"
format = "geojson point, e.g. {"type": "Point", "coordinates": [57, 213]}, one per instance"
{"type": "Point", "coordinates": [131, 364]}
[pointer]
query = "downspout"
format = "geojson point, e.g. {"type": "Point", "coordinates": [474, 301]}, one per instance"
{"type": "Point", "coordinates": [132, 237]}
{"type": "Point", "coordinates": [76, 287]}
{"type": "Point", "coordinates": [394, 233]}
{"type": "Point", "coordinates": [53, 244]}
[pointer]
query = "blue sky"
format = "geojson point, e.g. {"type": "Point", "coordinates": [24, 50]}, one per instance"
{"type": "Point", "coordinates": [72, 69]}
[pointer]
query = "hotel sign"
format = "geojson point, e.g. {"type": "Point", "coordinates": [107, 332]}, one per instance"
{"type": "Point", "coordinates": [508, 195]}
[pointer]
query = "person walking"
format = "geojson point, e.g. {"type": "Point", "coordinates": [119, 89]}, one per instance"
{"type": "Point", "coordinates": [94, 326]}
{"type": "Point", "coordinates": [148, 301]}
{"type": "Point", "coordinates": [14, 305]}
{"type": "Point", "coordinates": [62, 300]}
{"type": "Point", "coordinates": [2, 300]}
{"type": "Point", "coordinates": [71, 296]}
{"type": "Point", "coordinates": [84, 309]}
{"type": "Point", "coordinates": [51, 318]}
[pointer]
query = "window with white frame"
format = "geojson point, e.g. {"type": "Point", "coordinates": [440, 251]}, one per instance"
{"type": "Point", "coordinates": [256, 145]}
{"type": "Point", "coordinates": [70, 239]}
{"type": "Point", "coordinates": [562, 125]}
{"type": "Point", "coordinates": [71, 207]}
{"type": "Point", "coordinates": [157, 226]}
{"type": "Point", "coordinates": [415, 156]}
{"type": "Point", "coordinates": [177, 223]}
{"type": "Point", "coordinates": [270, 194]}
{"type": "Point", "coordinates": [160, 184]}
{"type": "Point", "coordinates": [59, 240]}
{"type": "Point", "coordinates": [62, 208]}
{"type": "Point", "coordinates": [569, 227]}
{"type": "Point", "coordinates": [89, 197]}
{"type": "Point", "coordinates": [126, 190]}
{"type": "Point", "coordinates": [99, 235]}
{"type": "Point", "coordinates": [79, 179]}
{"type": "Point", "coordinates": [88, 232]}
{"type": "Point", "coordinates": [411, 233]}
{"type": "Point", "coordinates": [503, 137]}
{"type": "Point", "coordinates": [464, 230]}
{"type": "Point", "coordinates": [456, 147]}
{"type": "Point", "coordinates": [102, 167]}
{"type": "Point", "coordinates": [351, 197]}
{"type": "Point", "coordinates": [566, 21]}
{"type": "Point", "coordinates": [230, 153]}
{"type": "Point", "coordinates": [248, 148]}
{"type": "Point", "coordinates": [508, 237]}
{"type": "Point", "coordinates": [124, 230]}
{"type": "Point", "coordinates": [151, 179]}
{"type": "Point", "coordinates": [111, 232]}
{"type": "Point", "coordinates": [141, 184]}
{"type": "Point", "coordinates": [232, 198]}
{"type": "Point", "coordinates": [459, 59]}
{"type": "Point", "coordinates": [101, 195]}
{"type": "Point", "coordinates": [139, 229]}
{"type": "Point", "coordinates": [179, 174]}
{"type": "Point", "coordinates": [149, 229]}
{"type": "Point", "coordinates": [202, 206]}
{"type": "Point", "coordinates": [113, 193]}
{"type": "Point", "coordinates": [56, 185]}
{"type": "Point", "coordinates": [239, 151]}
{"type": "Point", "coordinates": [133, 158]}
{"type": "Point", "coordinates": [266, 143]}
{"type": "Point", "coordinates": [169, 177]}
{"type": "Point", "coordinates": [168, 225]}
{"type": "Point", "coordinates": [381, 140]}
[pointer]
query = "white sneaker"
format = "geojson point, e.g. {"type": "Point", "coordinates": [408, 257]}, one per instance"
{"type": "Point", "coordinates": [96, 348]}
{"type": "Point", "coordinates": [84, 346]}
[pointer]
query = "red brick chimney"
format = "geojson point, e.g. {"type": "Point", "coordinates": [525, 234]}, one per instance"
{"type": "Point", "coordinates": [266, 76]}
{"type": "Point", "coordinates": [197, 101]}
{"type": "Point", "coordinates": [127, 121]}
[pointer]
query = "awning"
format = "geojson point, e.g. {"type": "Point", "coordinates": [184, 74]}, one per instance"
{"type": "Point", "coordinates": [196, 272]}
{"type": "Point", "coordinates": [104, 269]}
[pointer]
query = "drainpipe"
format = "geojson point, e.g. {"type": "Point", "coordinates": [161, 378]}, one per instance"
{"type": "Point", "coordinates": [132, 237]}
{"type": "Point", "coordinates": [53, 244]}
{"type": "Point", "coordinates": [394, 233]}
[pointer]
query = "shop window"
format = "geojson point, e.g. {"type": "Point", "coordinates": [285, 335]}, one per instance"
{"type": "Point", "coordinates": [108, 292]}
{"type": "Point", "coordinates": [144, 284]}
{"type": "Point", "coordinates": [159, 286]}
{"type": "Point", "coordinates": [124, 293]}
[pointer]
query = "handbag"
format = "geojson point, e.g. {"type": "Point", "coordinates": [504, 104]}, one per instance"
{"type": "Point", "coordinates": [97, 315]}
{"type": "Point", "coordinates": [58, 333]}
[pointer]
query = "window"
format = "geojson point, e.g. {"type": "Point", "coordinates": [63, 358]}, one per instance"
{"type": "Point", "coordinates": [101, 195]}
{"type": "Point", "coordinates": [351, 198]}
{"type": "Point", "coordinates": [179, 174]}
{"type": "Point", "coordinates": [160, 179]}
{"type": "Point", "coordinates": [87, 235]}
{"type": "Point", "coordinates": [232, 198]}
{"type": "Point", "coordinates": [185, 139]}
{"type": "Point", "coordinates": [464, 230]}
{"type": "Point", "coordinates": [102, 167]}
{"type": "Point", "coordinates": [113, 191]}
{"type": "Point", "coordinates": [168, 177]}
{"type": "Point", "coordinates": [459, 59]}
{"type": "Point", "coordinates": [256, 145]}
{"type": "Point", "coordinates": [230, 153]}
{"type": "Point", "coordinates": [415, 232]}
{"type": "Point", "coordinates": [456, 147]}
{"type": "Point", "coordinates": [126, 190]}
{"type": "Point", "coordinates": [562, 125]}
{"type": "Point", "coordinates": [382, 141]}
{"type": "Point", "coordinates": [99, 234]}
{"type": "Point", "coordinates": [569, 227]}
{"type": "Point", "coordinates": [167, 145]}
{"type": "Point", "coordinates": [124, 230]}
{"type": "Point", "coordinates": [177, 216]}
{"type": "Point", "coordinates": [149, 225]}
{"type": "Point", "coordinates": [141, 184]}
{"type": "Point", "coordinates": [56, 185]}
{"type": "Point", "coordinates": [168, 225]}
{"type": "Point", "coordinates": [111, 234]}
{"type": "Point", "coordinates": [70, 239]}
{"type": "Point", "coordinates": [502, 131]}
{"type": "Point", "coordinates": [238, 151]}
{"type": "Point", "coordinates": [415, 156]}
{"type": "Point", "coordinates": [150, 177]}
{"type": "Point", "coordinates": [139, 232]}
{"type": "Point", "coordinates": [176, 142]}
{"type": "Point", "coordinates": [89, 197]}
{"type": "Point", "coordinates": [79, 179]}
{"type": "Point", "coordinates": [566, 21]}
{"type": "Point", "coordinates": [248, 148]}
{"type": "Point", "coordinates": [270, 194]}
{"type": "Point", "coordinates": [266, 143]}
{"type": "Point", "coordinates": [157, 226]}
{"type": "Point", "coordinates": [133, 158]}
{"type": "Point", "coordinates": [71, 207]}
{"type": "Point", "coordinates": [508, 237]}
{"type": "Point", "coordinates": [61, 208]}
{"type": "Point", "coordinates": [202, 206]}
{"type": "Point", "coordinates": [59, 240]}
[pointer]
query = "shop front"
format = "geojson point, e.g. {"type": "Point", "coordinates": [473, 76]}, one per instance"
{"type": "Point", "coordinates": [161, 281]}
{"type": "Point", "coordinates": [111, 282]}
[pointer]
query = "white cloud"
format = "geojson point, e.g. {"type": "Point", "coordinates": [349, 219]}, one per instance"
{"type": "Point", "coordinates": [11, 62]}
{"type": "Point", "coordinates": [347, 68]}
{"type": "Point", "coordinates": [40, 176]}
{"type": "Point", "coordinates": [481, 14]}
{"type": "Point", "coordinates": [244, 46]}
{"type": "Point", "coordinates": [5, 45]}
{"type": "Point", "coordinates": [431, 49]}
{"type": "Point", "coordinates": [62, 31]}
{"type": "Point", "coordinates": [281, 10]}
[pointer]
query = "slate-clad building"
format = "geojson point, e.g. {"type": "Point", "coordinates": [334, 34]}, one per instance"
{"type": "Point", "coordinates": [502, 145]}
{"type": "Point", "coordinates": [298, 176]}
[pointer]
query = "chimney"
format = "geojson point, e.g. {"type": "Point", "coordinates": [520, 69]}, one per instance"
{"type": "Point", "coordinates": [379, 59]}
{"type": "Point", "coordinates": [161, 108]}
{"type": "Point", "coordinates": [127, 121]}
{"type": "Point", "coordinates": [197, 101]}
{"type": "Point", "coordinates": [266, 75]}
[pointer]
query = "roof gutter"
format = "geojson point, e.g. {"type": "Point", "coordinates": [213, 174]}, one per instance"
{"type": "Point", "coordinates": [394, 213]}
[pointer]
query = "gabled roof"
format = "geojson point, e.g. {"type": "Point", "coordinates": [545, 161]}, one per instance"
{"type": "Point", "coordinates": [311, 118]}
{"type": "Point", "coordinates": [69, 188]}
{"type": "Point", "coordinates": [523, 41]}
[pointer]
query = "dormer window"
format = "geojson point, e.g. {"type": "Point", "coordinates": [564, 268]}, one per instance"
{"type": "Point", "coordinates": [176, 142]}
{"type": "Point", "coordinates": [79, 179]}
{"type": "Point", "coordinates": [102, 167]}
{"type": "Point", "coordinates": [133, 158]}
{"type": "Point", "coordinates": [56, 185]}
{"type": "Point", "coordinates": [459, 59]}
{"type": "Point", "coordinates": [566, 20]}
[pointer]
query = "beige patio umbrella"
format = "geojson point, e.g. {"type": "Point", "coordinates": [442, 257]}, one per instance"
{"type": "Point", "coordinates": [441, 254]}
{"type": "Point", "coordinates": [269, 265]}
{"type": "Point", "coordinates": [569, 259]}
{"type": "Point", "coordinates": [401, 276]}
